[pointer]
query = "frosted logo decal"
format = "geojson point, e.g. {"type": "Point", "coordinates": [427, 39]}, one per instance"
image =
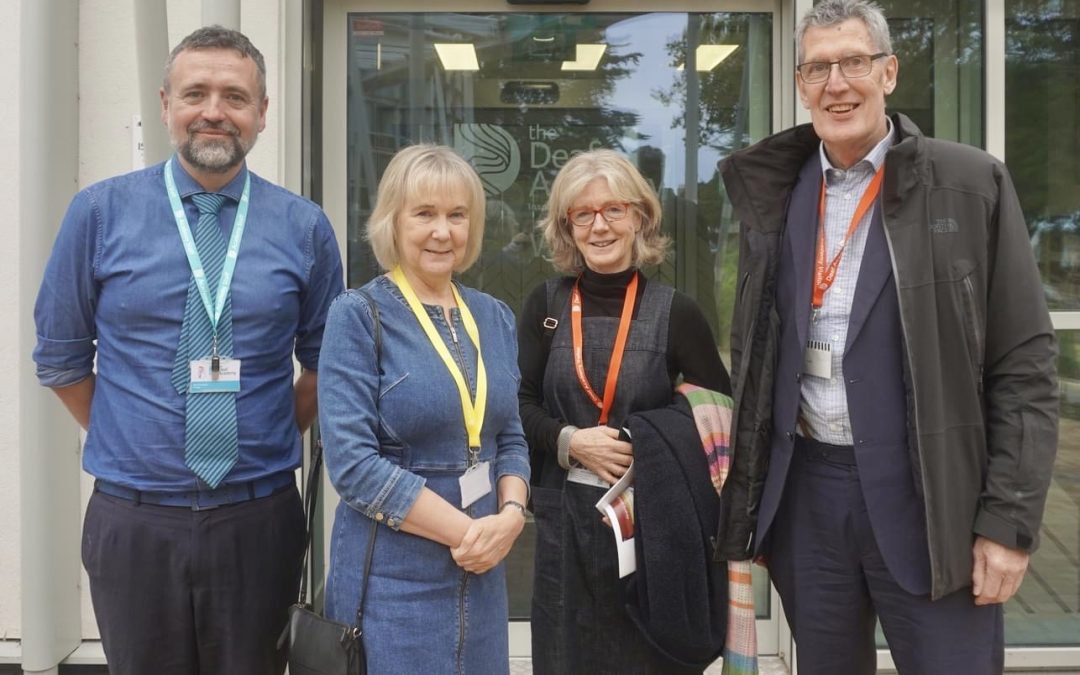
{"type": "Point", "coordinates": [492, 151]}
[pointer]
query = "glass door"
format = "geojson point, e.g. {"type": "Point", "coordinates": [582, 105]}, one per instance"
{"type": "Point", "coordinates": [517, 94]}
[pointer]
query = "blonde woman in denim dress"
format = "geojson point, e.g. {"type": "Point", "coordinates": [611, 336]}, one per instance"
{"type": "Point", "coordinates": [396, 439]}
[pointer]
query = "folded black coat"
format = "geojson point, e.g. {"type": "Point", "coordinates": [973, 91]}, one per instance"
{"type": "Point", "coordinates": [679, 596]}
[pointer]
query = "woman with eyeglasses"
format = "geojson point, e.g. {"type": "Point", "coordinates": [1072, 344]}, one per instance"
{"type": "Point", "coordinates": [596, 345]}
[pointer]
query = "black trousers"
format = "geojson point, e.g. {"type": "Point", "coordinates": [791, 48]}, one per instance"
{"type": "Point", "coordinates": [182, 592]}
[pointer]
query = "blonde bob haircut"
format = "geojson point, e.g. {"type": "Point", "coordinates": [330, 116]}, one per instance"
{"type": "Point", "coordinates": [413, 174]}
{"type": "Point", "coordinates": [626, 184]}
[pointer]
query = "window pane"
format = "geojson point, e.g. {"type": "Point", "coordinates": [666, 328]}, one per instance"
{"type": "Point", "coordinates": [1042, 142]}
{"type": "Point", "coordinates": [1042, 150]}
{"type": "Point", "coordinates": [1046, 611]}
{"type": "Point", "coordinates": [940, 48]}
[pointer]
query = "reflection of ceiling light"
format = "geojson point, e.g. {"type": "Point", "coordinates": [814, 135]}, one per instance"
{"type": "Point", "coordinates": [549, 38]}
{"type": "Point", "coordinates": [710, 56]}
{"type": "Point", "coordinates": [587, 58]}
{"type": "Point", "coordinates": [457, 57]}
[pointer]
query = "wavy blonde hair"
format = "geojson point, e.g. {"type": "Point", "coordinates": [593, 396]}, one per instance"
{"type": "Point", "coordinates": [413, 172]}
{"type": "Point", "coordinates": [626, 183]}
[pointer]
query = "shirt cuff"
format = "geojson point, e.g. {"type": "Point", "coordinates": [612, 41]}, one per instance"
{"type": "Point", "coordinates": [564, 445]}
{"type": "Point", "coordinates": [61, 377]}
{"type": "Point", "coordinates": [63, 362]}
{"type": "Point", "coordinates": [395, 499]}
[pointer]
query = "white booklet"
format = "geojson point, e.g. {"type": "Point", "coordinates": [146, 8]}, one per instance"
{"type": "Point", "coordinates": [618, 505]}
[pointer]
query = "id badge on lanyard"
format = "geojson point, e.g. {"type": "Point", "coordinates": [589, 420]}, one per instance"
{"type": "Point", "coordinates": [476, 481]}
{"type": "Point", "coordinates": [211, 374]}
{"type": "Point", "coordinates": [615, 364]}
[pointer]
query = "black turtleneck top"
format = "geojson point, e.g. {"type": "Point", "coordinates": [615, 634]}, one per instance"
{"type": "Point", "coordinates": [691, 348]}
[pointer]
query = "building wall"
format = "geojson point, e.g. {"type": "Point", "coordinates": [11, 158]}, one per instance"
{"type": "Point", "coordinates": [9, 441]}
{"type": "Point", "coordinates": [43, 151]}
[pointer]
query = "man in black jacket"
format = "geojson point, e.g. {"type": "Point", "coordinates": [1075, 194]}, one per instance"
{"type": "Point", "coordinates": [893, 361]}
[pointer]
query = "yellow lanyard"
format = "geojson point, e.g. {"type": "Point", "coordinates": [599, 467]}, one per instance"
{"type": "Point", "coordinates": [472, 411]}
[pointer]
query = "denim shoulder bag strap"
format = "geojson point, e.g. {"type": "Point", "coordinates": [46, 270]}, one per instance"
{"type": "Point", "coordinates": [318, 645]}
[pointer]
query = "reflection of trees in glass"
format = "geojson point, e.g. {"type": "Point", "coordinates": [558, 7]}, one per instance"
{"type": "Point", "coordinates": [400, 93]}
{"type": "Point", "coordinates": [1035, 34]}
{"type": "Point", "coordinates": [940, 49]}
{"type": "Point", "coordinates": [724, 257]}
{"type": "Point", "coordinates": [1042, 145]}
{"type": "Point", "coordinates": [721, 102]}
{"type": "Point", "coordinates": [531, 48]}
{"type": "Point", "coordinates": [727, 108]}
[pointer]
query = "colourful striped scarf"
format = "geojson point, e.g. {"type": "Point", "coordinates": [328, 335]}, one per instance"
{"type": "Point", "coordinates": [712, 415]}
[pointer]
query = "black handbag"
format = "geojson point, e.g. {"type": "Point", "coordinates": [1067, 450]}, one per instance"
{"type": "Point", "coordinates": [317, 645]}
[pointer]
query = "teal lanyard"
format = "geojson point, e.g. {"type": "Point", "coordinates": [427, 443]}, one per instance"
{"type": "Point", "coordinates": [213, 310]}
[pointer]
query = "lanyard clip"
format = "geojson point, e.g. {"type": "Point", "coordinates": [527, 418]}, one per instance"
{"type": "Point", "coordinates": [474, 456]}
{"type": "Point", "coordinates": [215, 360]}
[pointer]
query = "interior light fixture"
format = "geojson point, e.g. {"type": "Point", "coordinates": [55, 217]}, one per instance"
{"type": "Point", "coordinates": [710, 56]}
{"type": "Point", "coordinates": [587, 57]}
{"type": "Point", "coordinates": [457, 56]}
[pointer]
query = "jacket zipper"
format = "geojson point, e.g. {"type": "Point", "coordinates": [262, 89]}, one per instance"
{"type": "Point", "coordinates": [460, 356]}
{"type": "Point", "coordinates": [934, 563]}
{"type": "Point", "coordinates": [469, 461]}
{"type": "Point", "coordinates": [748, 338]}
{"type": "Point", "coordinates": [747, 348]}
{"type": "Point", "coordinates": [976, 334]}
{"type": "Point", "coordinates": [461, 620]}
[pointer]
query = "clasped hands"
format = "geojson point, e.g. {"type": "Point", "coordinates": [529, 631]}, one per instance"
{"type": "Point", "coordinates": [599, 450]}
{"type": "Point", "coordinates": [488, 541]}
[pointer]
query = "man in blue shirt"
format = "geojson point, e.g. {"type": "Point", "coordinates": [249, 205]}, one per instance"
{"type": "Point", "coordinates": [194, 283]}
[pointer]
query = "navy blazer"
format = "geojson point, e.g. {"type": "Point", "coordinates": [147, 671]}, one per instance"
{"type": "Point", "coordinates": [874, 375]}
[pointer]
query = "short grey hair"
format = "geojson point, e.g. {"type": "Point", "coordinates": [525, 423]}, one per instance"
{"type": "Point", "coordinates": [219, 37]}
{"type": "Point", "coordinates": [832, 12]}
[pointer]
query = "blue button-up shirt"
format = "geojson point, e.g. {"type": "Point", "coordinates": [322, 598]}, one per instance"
{"type": "Point", "coordinates": [116, 286]}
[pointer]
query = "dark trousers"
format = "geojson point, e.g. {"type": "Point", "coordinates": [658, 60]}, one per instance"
{"type": "Point", "coordinates": [182, 592]}
{"type": "Point", "coordinates": [833, 583]}
{"type": "Point", "coordinates": [579, 621]}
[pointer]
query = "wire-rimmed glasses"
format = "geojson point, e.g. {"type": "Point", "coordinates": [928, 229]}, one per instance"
{"type": "Point", "coordinates": [858, 65]}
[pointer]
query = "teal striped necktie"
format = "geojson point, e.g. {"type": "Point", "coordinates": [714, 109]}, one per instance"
{"type": "Point", "coordinates": [210, 431]}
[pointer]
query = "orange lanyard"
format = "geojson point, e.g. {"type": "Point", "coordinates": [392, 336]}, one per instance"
{"type": "Point", "coordinates": [616, 353]}
{"type": "Point", "coordinates": [824, 276]}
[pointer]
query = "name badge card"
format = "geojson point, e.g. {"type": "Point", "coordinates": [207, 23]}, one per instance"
{"type": "Point", "coordinates": [205, 381]}
{"type": "Point", "coordinates": [475, 483]}
{"type": "Point", "coordinates": [817, 360]}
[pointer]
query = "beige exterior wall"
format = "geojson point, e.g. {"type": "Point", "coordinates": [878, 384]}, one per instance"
{"type": "Point", "coordinates": [9, 307]}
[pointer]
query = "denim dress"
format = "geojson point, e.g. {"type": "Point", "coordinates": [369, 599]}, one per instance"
{"type": "Point", "coordinates": [391, 428]}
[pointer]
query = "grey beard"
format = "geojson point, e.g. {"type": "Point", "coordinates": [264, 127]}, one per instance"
{"type": "Point", "coordinates": [214, 156]}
